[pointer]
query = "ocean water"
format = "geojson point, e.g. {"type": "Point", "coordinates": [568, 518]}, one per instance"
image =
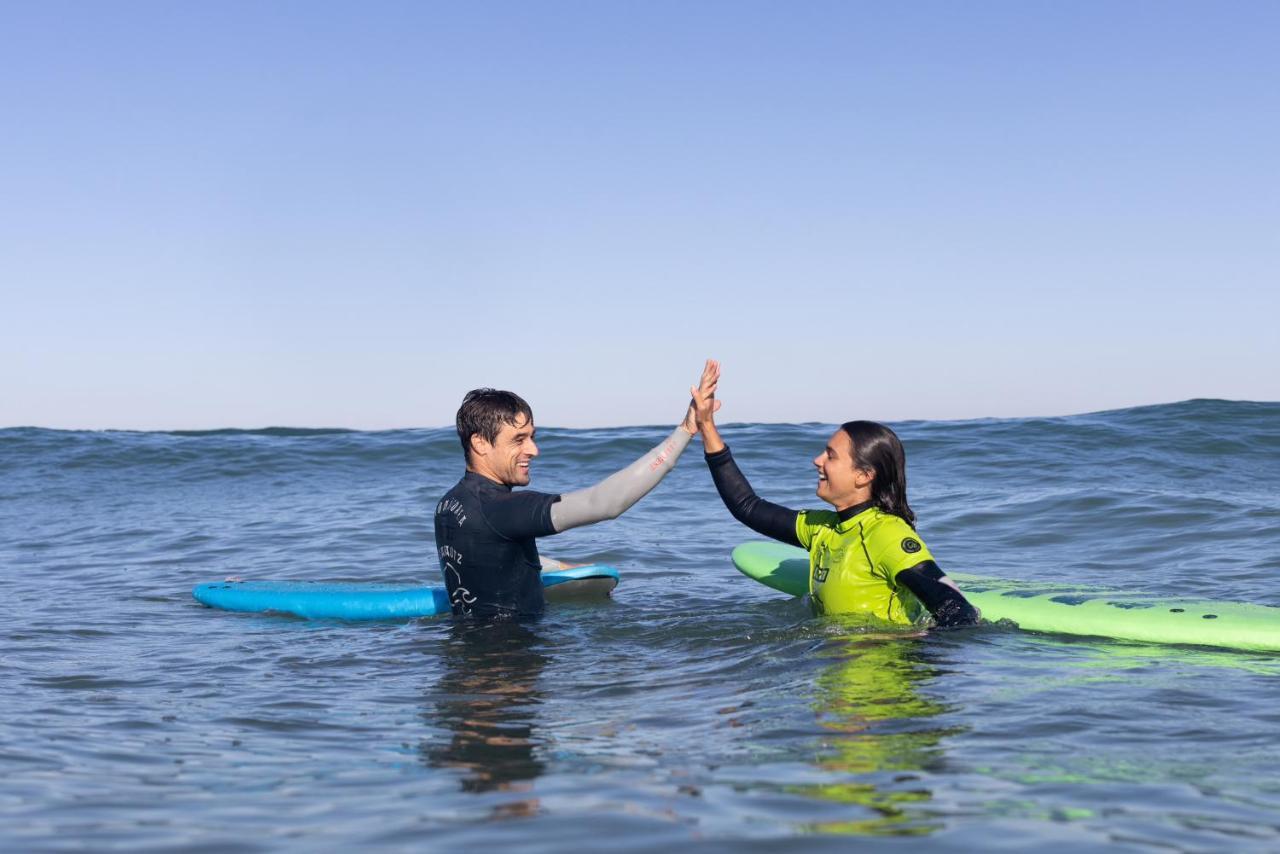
{"type": "Point", "coordinates": [696, 708]}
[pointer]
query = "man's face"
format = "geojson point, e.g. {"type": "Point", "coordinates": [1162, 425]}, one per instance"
{"type": "Point", "coordinates": [507, 459]}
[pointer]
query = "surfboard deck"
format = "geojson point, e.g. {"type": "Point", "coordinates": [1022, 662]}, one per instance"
{"type": "Point", "coordinates": [317, 600]}
{"type": "Point", "coordinates": [1062, 609]}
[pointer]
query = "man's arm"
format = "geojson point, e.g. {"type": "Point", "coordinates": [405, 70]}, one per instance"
{"type": "Point", "coordinates": [521, 515]}
{"type": "Point", "coordinates": [550, 564]}
{"type": "Point", "coordinates": [939, 594]}
{"type": "Point", "coordinates": [611, 497]}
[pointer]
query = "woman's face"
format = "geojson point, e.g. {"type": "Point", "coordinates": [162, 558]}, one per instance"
{"type": "Point", "coordinates": [839, 483]}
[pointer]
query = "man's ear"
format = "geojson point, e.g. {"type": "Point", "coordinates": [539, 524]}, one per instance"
{"type": "Point", "coordinates": [480, 445]}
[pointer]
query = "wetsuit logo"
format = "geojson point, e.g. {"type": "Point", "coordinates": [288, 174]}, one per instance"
{"type": "Point", "coordinates": [911, 545]}
{"type": "Point", "coordinates": [460, 597]}
{"type": "Point", "coordinates": [823, 565]}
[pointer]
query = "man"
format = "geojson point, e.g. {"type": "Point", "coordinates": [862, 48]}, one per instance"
{"type": "Point", "coordinates": [486, 533]}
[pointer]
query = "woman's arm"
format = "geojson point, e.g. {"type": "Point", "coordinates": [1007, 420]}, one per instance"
{"type": "Point", "coordinates": [939, 594]}
{"type": "Point", "coordinates": [761, 516]}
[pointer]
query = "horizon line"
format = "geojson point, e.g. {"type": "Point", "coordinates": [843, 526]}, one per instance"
{"type": "Point", "coordinates": [331, 429]}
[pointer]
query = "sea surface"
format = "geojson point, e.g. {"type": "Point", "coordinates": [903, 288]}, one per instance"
{"type": "Point", "coordinates": [695, 709]}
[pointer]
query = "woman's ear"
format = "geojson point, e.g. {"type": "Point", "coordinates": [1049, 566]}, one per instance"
{"type": "Point", "coordinates": [863, 477]}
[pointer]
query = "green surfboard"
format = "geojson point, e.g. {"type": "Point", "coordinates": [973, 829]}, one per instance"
{"type": "Point", "coordinates": [1062, 609]}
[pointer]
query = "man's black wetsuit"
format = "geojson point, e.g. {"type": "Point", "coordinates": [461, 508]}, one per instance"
{"type": "Point", "coordinates": [485, 532]}
{"type": "Point", "coordinates": [485, 536]}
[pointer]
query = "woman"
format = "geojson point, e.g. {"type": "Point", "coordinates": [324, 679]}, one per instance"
{"type": "Point", "coordinates": [865, 556]}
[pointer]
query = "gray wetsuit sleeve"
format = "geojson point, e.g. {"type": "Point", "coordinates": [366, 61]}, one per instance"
{"type": "Point", "coordinates": [609, 498]}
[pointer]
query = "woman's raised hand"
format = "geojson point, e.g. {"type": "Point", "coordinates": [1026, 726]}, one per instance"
{"type": "Point", "coordinates": [703, 406]}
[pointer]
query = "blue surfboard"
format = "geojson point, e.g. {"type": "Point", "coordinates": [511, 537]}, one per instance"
{"type": "Point", "coordinates": [317, 600]}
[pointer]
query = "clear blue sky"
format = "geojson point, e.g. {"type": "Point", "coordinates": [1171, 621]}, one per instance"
{"type": "Point", "coordinates": [348, 214]}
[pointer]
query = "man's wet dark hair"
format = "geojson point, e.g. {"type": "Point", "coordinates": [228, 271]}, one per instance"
{"type": "Point", "coordinates": [877, 448]}
{"type": "Point", "coordinates": [484, 411]}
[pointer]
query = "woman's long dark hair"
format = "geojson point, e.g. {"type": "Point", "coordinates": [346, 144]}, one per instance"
{"type": "Point", "coordinates": [877, 448]}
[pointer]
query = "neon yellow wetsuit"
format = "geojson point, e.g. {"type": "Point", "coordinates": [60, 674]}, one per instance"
{"type": "Point", "coordinates": [861, 559]}
{"type": "Point", "coordinates": [854, 563]}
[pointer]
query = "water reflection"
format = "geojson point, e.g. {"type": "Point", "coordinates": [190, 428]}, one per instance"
{"type": "Point", "coordinates": [487, 702]}
{"type": "Point", "coordinates": [868, 700]}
